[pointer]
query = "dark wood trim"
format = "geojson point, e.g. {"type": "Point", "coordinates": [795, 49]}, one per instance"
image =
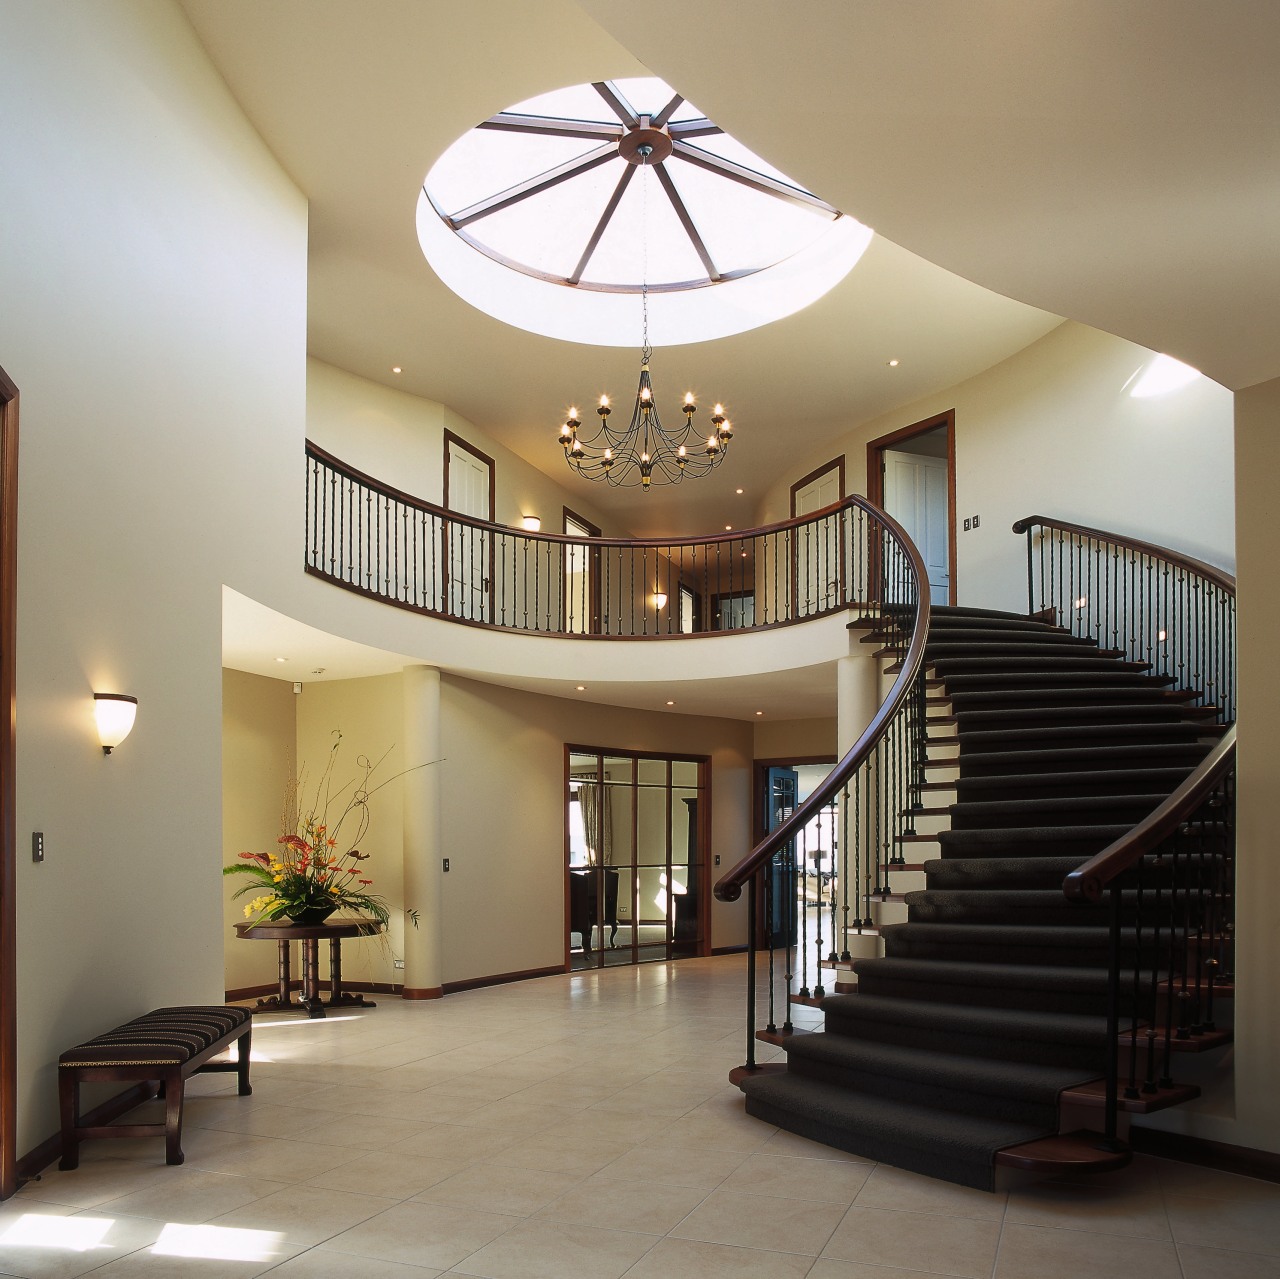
{"type": "Point", "coordinates": [1242, 1160]}
{"type": "Point", "coordinates": [500, 979]}
{"type": "Point", "coordinates": [242, 993]}
{"type": "Point", "coordinates": [422, 992]}
{"type": "Point", "coordinates": [593, 567]}
{"type": "Point", "coordinates": [729, 950]}
{"type": "Point", "coordinates": [836, 464]}
{"type": "Point", "coordinates": [36, 1160]}
{"type": "Point", "coordinates": [9, 1172]}
{"type": "Point", "coordinates": [1198, 568]}
{"type": "Point", "coordinates": [467, 447]}
{"type": "Point", "coordinates": [875, 475]}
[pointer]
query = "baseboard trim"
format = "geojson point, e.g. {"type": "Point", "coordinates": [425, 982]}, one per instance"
{"type": "Point", "coordinates": [501, 979]}
{"type": "Point", "coordinates": [1243, 1160]}
{"type": "Point", "coordinates": [35, 1161]}
{"type": "Point", "coordinates": [729, 950]}
{"type": "Point", "coordinates": [421, 992]}
{"type": "Point", "coordinates": [241, 993]}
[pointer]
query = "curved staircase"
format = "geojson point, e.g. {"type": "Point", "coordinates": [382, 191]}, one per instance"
{"type": "Point", "coordinates": [993, 1019]}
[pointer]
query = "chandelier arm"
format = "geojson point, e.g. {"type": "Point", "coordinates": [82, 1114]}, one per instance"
{"type": "Point", "coordinates": [617, 103]}
{"type": "Point", "coordinates": [686, 221]}
{"type": "Point", "coordinates": [532, 186]}
{"type": "Point", "coordinates": [659, 121]}
{"type": "Point", "coordinates": [552, 126]}
{"type": "Point", "coordinates": [628, 172]}
{"type": "Point", "coordinates": [750, 178]}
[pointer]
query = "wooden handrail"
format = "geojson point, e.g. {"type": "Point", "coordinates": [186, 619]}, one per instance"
{"type": "Point", "coordinates": [1088, 882]}
{"type": "Point", "coordinates": [656, 543]}
{"type": "Point", "coordinates": [728, 887]}
{"type": "Point", "coordinates": [1219, 577]}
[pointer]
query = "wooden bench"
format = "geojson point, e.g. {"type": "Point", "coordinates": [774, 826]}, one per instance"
{"type": "Point", "coordinates": [165, 1046]}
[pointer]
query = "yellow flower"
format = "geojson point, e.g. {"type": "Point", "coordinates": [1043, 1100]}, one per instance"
{"type": "Point", "coordinates": [278, 878]}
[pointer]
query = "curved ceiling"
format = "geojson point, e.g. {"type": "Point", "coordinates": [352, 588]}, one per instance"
{"type": "Point", "coordinates": [358, 100]}
{"type": "Point", "coordinates": [1114, 161]}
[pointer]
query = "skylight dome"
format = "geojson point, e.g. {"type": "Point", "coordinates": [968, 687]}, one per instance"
{"type": "Point", "coordinates": [553, 214]}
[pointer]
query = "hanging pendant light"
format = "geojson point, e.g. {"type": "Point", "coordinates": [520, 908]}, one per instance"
{"type": "Point", "coordinates": [646, 452]}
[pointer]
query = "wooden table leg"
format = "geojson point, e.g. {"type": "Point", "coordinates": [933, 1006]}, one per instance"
{"type": "Point", "coordinates": [339, 998]}
{"type": "Point", "coordinates": [311, 1000]}
{"type": "Point", "coordinates": [281, 1000]}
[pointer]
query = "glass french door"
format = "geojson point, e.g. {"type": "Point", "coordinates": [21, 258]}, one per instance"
{"type": "Point", "coordinates": [635, 843]}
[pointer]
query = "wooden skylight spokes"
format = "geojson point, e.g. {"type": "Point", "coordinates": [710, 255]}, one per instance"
{"type": "Point", "coordinates": [636, 139]}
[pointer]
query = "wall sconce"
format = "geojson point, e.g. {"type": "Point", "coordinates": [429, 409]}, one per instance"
{"type": "Point", "coordinates": [531, 523]}
{"type": "Point", "coordinates": [115, 714]}
{"type": "Point", "coordinates": [659, 599]}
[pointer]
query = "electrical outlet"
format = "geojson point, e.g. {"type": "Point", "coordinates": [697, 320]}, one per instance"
{"type": "Point", "coordinates": [717, 859]}
{"type": "Point", "coordinates": [400, 965]}
{"type": "Point", "coordinates": [968, 523]}
{"type": "Point", "coordinates": [37, 845]}
{"type": "Point", "coordinates": [446, 863]}
{"type": "Point", "coordinates": [977, 519]}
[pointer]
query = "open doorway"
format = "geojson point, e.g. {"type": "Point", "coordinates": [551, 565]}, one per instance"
{"type": "Point", "coordinates": [636, 833]}
{"type": "Point", "coordinates": [911, 474]}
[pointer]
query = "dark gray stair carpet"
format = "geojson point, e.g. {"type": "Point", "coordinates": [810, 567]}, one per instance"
{"type": "Point", "coordinates": [991, 998]}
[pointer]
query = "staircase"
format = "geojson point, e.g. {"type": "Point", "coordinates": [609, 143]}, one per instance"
{"type": "Point", "coordinates": [1007, 1025]}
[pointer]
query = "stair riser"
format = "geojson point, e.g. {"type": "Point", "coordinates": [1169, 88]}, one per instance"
{"type": "Point", "coordinates": [1087, 1056]}
{"type": "Point", "coordinates": [1068, 915]}
{"type": "Point", "coordinates": [1129, 814]}
{"type": "Point", "coordinates": [1036, 739]}
{"type": "Point", "coordinates": [1092, 1003]}
{"type": "Point", "coordinates": [922, 1159]}
{"type": "Point", "coordinates": [998, 763]}
{"type": "Point", "coordinates": [1066, 786]}
{"type": "Point", "coordinates": [978, 953]}
{"type": "Point", "coordinates": [925, 1094]}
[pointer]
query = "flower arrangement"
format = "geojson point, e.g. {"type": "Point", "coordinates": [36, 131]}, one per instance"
{"type": "Point", "coordinates": [317, 865]}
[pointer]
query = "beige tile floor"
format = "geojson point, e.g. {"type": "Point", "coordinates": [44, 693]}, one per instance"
{"type": "Point", "coordinates": [577, 1127]}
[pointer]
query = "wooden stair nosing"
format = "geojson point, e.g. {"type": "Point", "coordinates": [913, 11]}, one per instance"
{"type": "Point", "coordinates": [1080, 1151]}
{"type": "Point", "coordinates": [780, 1039]}
{"type": "Point", "coordinates": [739, 1073]}
{"type": "Point", "coordinates": [1094, 1095]}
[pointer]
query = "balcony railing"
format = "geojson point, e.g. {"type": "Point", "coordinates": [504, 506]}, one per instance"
{"type": "Point", "coordinates": [371, 538]}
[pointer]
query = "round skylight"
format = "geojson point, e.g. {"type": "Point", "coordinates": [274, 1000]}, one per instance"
{"type": "Point", "coordinates": [554, 214]}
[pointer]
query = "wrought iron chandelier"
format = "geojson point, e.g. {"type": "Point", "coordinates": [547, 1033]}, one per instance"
{"type": "Point", "coordinates": [646, 452]}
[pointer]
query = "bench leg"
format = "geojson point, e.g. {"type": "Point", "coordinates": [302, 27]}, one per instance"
{"type": "Point", "coordinates": [174, 1088]}
{"type": "Point", "coordinates": [242, 1061]}
{"type": "Point", "coordinates": [69, 1104]}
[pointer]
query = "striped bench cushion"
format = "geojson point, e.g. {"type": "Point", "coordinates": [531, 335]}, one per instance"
{"type": "Point", "coordinates": [166, 1037]}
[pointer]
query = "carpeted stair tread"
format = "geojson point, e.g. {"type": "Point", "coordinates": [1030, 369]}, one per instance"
{"type": "Point", "coordinates": [1032, 710]}
{"type": "Point", "coordinates": [996, 679]}
{"type": "Point", "coordinates": [1048, 978]}
{"type": "Point", "coordinates": [940, 613]}
{"type": "Point", "coordinates": [1063, 810]}
{"type": "Point", "coordinates": [1080, 782]}
{"type": "Point", "coordinates": [1033, 839]}
{"type": "Point", "coordinates": [982, 740]}
{"type": "Point", "coordinates": [1041, 905]}
{"type": "Point", "coordinates": [921, 1139]}
{"type": "Point", "coordinates": [1091, 660]}
{"type": "Point", "coordinates": [1047, 649]}
{"type": "Point", "coordinates": [999, 872]}
{"type": "Point", "coordinates": [979, 1075]}
{"type": "Point", "coordinates": [942, 1020]}
{"type": "Point", "coordinates": [989, 763]}
{"type": "Point", "coordinates": [959, 640]}
{"type": "Point", "coordinates": [1086, 694]}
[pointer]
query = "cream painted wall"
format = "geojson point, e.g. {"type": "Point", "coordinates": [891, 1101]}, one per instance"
{"type": "Point", "coordinates": [795, 738]}
{"type": "Point", "coordinates": [369, 715]}
{"type": "Point", "coordinates": [1053, 431]}
{"type": "Point", "coordinates": [504, 821]}
{"type": "Point", "coordinates": [258, 736]}
{"type": "Point", "coordinates": [399, 438]}
{"type": "Point", "coordinates": [1256, 1119]}
{"type": "Point", "coordinates": [153, 277]}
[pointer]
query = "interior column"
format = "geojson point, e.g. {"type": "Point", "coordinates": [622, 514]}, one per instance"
{"type": "Point", "coordinates": [422, 834]}
{"type": "Point", "coordinates": [858, 697]}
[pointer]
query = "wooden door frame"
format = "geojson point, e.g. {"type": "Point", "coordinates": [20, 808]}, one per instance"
{"type": "Point", "coordinates": [467, 447]}
{"type": "Point", "coordinates": [593, 567]}
{"type": "Point", "coordinates": [8, 851]}
{"type": "Point", "coordinates": [875, 476]}
{"type": "Point", "coordinates": [836, 464]}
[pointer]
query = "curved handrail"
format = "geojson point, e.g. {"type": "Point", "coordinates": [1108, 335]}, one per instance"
{"type": "Point", "coordinates": [728, 887]}
{"type": "Point", "coordinates": [1088, 882]}
{"type": "Point", "coordinates": [1219, 577]}
{"type": "Point", "coordinates": [652, 543]}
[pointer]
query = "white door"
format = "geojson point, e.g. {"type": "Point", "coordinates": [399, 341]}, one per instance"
{"type": "Point", "coordinates": [470, 549]}
{"type": "Point", "coordinates": [578, 609]}
{"type": "Point", "coordinates": [817, 547]}
{"type": "Point", "coordinates": [915, 494]}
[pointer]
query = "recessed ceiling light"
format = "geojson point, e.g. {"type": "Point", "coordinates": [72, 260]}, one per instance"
{"type": "Point", "coordinates": [395, 368]}
{"type": "Point", "coordinates": [671, 703]}
{"type": "Point", "coordinates": [759, 712]}
{"type": "Point", "coordinates": [727, 527]}
{"type": "Point", "coordinates": [282, 659]}
{"type": "Point", "coordinates": [582, 688]}
{"type": "Point", "coordinates": [738, 491]}
{"type": "Point", "coordinates": [893, 364]}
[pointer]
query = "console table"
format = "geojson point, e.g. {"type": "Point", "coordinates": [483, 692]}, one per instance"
{"type": "Point", "coordinates": [282, 932]}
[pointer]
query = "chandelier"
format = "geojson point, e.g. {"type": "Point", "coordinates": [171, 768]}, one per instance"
{"type": "Point", "coordinates": [645, 452]}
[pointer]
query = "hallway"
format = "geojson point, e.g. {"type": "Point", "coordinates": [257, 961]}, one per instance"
{"type": "Point", "coordinates": [577, 1127]}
